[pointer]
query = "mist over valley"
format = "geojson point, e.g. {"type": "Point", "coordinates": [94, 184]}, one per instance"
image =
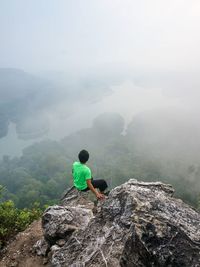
{"type": "Point", "coordinates": [118, 78]}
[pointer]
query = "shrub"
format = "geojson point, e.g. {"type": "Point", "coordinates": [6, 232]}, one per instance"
{"type": "Point", "coordinates": [14, 220]}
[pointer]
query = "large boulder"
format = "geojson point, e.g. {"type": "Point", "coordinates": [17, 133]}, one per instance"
{"type": "Point", "coordinates": [73, 198]}
{"type": "Point", "coordinates": [140, 224]}
{"type": "Point", "coordinates": [60, 222]}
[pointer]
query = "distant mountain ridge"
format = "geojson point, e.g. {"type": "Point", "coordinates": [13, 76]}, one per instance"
{"type": "Point", "coordinates": [27, 100]}
{"type": "Point", "coordinates": [19, 99]}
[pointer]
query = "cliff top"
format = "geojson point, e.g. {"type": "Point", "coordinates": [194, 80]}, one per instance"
{"type": "Point", "coordinates": [138, 224]}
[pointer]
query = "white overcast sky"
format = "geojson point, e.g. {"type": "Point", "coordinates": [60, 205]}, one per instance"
{"type": "Point", "coordinates": [62, 34]}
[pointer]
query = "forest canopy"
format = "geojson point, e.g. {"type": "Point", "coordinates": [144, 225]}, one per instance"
{"type": "Point", "coordinates": [44, 170]}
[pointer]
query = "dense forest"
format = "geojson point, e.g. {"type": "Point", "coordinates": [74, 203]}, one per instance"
{"type": "Point", "coordinates": [43, 172]}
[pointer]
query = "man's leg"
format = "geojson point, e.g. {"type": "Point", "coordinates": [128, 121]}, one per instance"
{"type": "Point", "coordinates": [100, 184]}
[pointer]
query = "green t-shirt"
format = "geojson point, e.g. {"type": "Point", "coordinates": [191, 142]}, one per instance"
{"type": "Point", "coordinates": [81, 173]}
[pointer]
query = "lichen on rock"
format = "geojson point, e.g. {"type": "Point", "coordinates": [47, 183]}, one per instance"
{"type": "Point", "coordinates": [138, 224]}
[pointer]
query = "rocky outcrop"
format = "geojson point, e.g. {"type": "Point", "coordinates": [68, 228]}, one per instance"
{"type": "Point", "coordinates": [138, 224]}
{"type": "Point", "coordinates": [60, 222]}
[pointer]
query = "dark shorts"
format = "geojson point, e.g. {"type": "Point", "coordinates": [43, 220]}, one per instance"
{"type": "Point", "coordinates": [99, 183]}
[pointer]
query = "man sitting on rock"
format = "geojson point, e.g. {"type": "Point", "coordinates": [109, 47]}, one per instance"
{"type": "Point", "coordinates": [83, 180]}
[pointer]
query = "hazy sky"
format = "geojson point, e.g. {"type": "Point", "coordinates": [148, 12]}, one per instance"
{"type": "Point", "coordinates": [147, 52]}
{"type": "Point", "coordinates": [63, 34]}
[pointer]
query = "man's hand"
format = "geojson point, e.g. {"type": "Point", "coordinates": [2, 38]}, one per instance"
{"type": "Point", "coordinates": [95, 191]}
{"type": "Point", "coordinates": [100, 196]}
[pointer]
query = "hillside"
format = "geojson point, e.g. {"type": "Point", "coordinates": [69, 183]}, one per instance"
{"type": "Point", "coordinates": [21, 101]}
{"type": "Point", "coordinates": [19, 252]}
{"type": "Point", "coordinates": [150, 150]}
{"type": "Point", "coordinates": [138, 224]}
{"type": "Point", "coordinates": [36, 103]}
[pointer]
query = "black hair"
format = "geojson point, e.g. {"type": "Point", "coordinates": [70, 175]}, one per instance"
{"type": "Point", "coordinates": [83, 156]}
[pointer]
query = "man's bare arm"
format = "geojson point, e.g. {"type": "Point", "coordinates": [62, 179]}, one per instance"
{"type": "Point", "coordinates": [95, 191]}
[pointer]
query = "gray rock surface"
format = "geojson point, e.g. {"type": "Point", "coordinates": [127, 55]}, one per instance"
{"type": "Point", "coordinates": [139, 224]}
{"type": "Point", "coordinates": [72, 197]}
{"type": "Point", "coordinates": [60, 222]}
{"type": "Point", "coordinates": [41, 247]}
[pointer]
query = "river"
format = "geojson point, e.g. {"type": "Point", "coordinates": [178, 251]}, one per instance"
{"type": "Point", "coordinates": [125, 99]}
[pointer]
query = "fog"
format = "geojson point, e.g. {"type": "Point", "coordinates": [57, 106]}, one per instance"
{"type": "Point", "coordinates": [81, 35]}
{"type": "Point", "coordinates": [65, 62]}
{"type": "Point", "coordinates": [118, 78]}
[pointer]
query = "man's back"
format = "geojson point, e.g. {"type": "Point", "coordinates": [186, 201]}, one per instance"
{"type": "Point", "coordinates": [83, 179]}
{"type": "Point", "coordinates": [81, 173]}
